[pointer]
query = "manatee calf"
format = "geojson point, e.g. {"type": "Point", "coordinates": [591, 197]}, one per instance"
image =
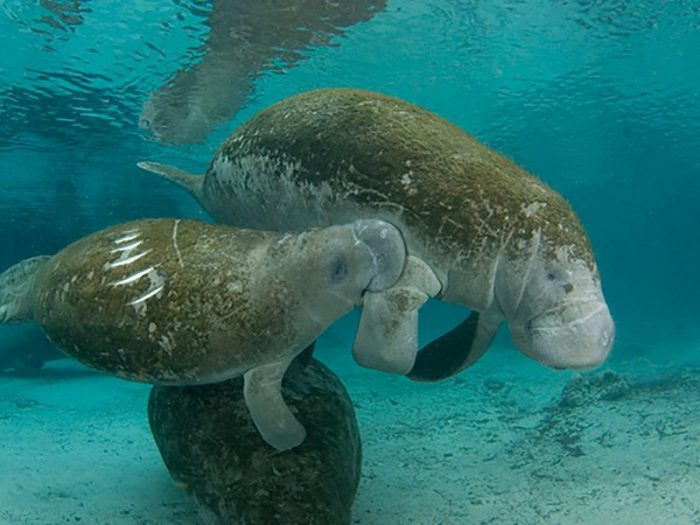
{"type": "Point", "coordinates": [211, 449]}
{"type": "Point", "coordinates": [184, 302]}
{"type": "Point", "coordinates": [480, 230]}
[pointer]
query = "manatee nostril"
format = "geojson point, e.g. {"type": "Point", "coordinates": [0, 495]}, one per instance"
{"type": "Point", "coordinates": [339, 270]}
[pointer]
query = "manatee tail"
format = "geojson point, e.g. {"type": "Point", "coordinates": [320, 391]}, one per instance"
{"type": "Point", "coordinates": [17, 290]}
{"type": "Point", "coordinates": [192, 183]}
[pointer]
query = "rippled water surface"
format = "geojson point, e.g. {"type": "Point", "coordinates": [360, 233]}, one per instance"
{"type": "Point", "coordinates": [599, 98]}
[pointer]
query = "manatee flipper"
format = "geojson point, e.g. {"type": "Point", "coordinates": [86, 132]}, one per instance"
{"type": "Point", "coordinates": [262, 389]}
{"type": "Point", "coordinates": [17, 290]}
{"type": "Point", "coordinates": [387, 336]}
{"type": "Point", "coordinates": [454, 351]}
{"type": "Point", "coordinates": [302, 360]}
{"type": "Point", "coordinates": [192, 183]}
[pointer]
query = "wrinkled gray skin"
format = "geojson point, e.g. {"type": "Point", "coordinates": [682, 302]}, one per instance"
{"type": "Point", "coordinates": [480, 231]}
{"type": "Point", "coordinates": [212, 450]}
{"type": "Point", "coordinates": [184, 302]}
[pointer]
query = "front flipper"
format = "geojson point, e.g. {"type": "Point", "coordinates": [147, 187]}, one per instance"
{"type": "Point", "coordinates": [454, 351]}
{"type": "Point", "coordinates": [387, 337]}
{"type": "Point", "coordinates": [262, 389]}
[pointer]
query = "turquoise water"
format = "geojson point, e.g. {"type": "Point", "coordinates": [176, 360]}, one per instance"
{"type": "Point", "coordinates": [600, 99]}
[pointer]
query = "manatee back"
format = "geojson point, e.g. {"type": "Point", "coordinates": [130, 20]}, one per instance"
{"type": "Point", "coordinates": [334, 155]}
{"type": "Point", "coordinates": [211, 448]}
{"type": "Point", "coordinates": [152, 300]}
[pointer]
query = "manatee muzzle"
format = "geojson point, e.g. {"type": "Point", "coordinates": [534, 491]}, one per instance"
{"type": "Point", "coordinates": [388, 250]}
{"type": "Point", "coordinates": [577, 335]}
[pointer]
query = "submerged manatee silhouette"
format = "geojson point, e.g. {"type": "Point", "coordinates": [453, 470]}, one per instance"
{"type": "Point", "coordinates": [212, 450]}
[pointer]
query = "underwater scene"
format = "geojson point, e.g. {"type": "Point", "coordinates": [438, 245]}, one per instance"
{"type": "Point", "coordinates": [365, 261]}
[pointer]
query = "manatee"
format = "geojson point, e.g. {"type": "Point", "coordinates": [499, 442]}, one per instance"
{"type": "Point", "coordinates": [480, 231]}
{"type": "Point", "coordinates": [181, 302]}
{"type": "Point", "coordinates": [211, 449]}
{"type": "Point", "coordinates": [244, 41]}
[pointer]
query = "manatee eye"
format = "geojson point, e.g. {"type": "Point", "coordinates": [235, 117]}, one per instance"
{"type": "Point", "coordinates": [338, 270]}
{"type": "Point", "coordinates": [551, 276]}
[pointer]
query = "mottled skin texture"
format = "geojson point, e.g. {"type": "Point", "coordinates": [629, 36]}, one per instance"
{"type": "Point", "coordinates": [182, 302]}
{"type": "Point", "coordinates": [498, 240]}
{"type": "Point", "coordinates": [185, 302]}
{"type": "Point", "coordinates": [464, 201]}
{"type": "Point", "coordinates": [212, 449]}
{"type": "Point", "coordinates": [204, 322]}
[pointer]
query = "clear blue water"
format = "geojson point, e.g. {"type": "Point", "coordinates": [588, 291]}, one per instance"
{"type": "Point", "coordinates": [599, 98]}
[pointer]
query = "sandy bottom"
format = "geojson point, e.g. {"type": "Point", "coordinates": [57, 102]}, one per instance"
{"type": "Point", "coordinates": [507, 442]}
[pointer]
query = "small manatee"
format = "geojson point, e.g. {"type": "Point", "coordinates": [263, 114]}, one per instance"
{"type": "Point", "coordinates": [182, 302]}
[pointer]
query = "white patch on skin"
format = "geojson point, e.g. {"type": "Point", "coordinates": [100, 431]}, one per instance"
{"type": "Point", "coordinates": [177, 250]}
{"type": "Point", "coordinates": [166, 344]}
{"type": "Point", "coordinates": [127, 248]}
{"type": "Point", "coordinates": [123, 262]}
{"type": "Point", "coordinates": [145, 296]}
{"type": "Point", "coordinates": [130, 235]}
{"type": "Point", "coordinates": [268, 194]}
{"type": "Point", "coordinates": [125, 252]}
{"type": "Point", "coordinates": [532, 208]}
{"type": "Point", "coordinates": [132, 278]}
{"type": "Point", "coordinates": [157, 283]}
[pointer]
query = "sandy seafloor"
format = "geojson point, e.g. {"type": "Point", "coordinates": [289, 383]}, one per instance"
{"type": "Point", "coordinates": [503, 443]}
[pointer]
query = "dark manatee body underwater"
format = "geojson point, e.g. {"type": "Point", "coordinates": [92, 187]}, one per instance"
{"type": "Point", "coordinates": [480, 231]}
{"type": "Point", "coordinates": [212, 449]}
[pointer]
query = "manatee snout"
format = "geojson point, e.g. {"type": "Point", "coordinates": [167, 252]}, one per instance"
{"type": "Point", "coordinates": [387, 249]}
{"type": "Point", "coordinates": [578, 335]}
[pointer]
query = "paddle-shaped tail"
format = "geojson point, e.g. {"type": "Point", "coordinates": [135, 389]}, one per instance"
{"type": "Point", "coordinates": [192, 183]}
{"type": "Point", "coordinates": [17, 290]}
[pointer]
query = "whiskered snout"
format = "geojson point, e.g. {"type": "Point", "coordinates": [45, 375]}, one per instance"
{"type": "Point", "coordinates": [578, 335]}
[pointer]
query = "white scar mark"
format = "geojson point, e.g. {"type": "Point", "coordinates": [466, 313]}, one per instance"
{"type": "Point", "coordinates": [128, 260]}
{"type": "Point", "coordinates": [126, 248]}
{"type": "Point", "coordinates": [132, 278]}
{"type": "Point", "coordinates": [130, 236]}
{"type": "Point", "coordinates": [177, 250]}
{"type": "Point", "coordinates": [125, 252]}
{"type": "Point", "coordinates": [146, 296]}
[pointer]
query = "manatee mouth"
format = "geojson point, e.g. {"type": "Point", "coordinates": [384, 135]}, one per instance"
{"type": "Point", "coordinates": [576, 337]}
{"type": "Point", "coordinates": [387, 248]}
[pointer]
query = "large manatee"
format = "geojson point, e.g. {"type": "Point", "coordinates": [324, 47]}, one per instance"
{"type": "Point", "coordinates": [480, 231]}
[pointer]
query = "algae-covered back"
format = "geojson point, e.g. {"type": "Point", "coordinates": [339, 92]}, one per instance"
{"type": "Point", "coordinates": [397, 161]}
{"type": "Point", "coordinates": [212, 449]}
{"type": "Point", "coordinates": [153, 300]}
